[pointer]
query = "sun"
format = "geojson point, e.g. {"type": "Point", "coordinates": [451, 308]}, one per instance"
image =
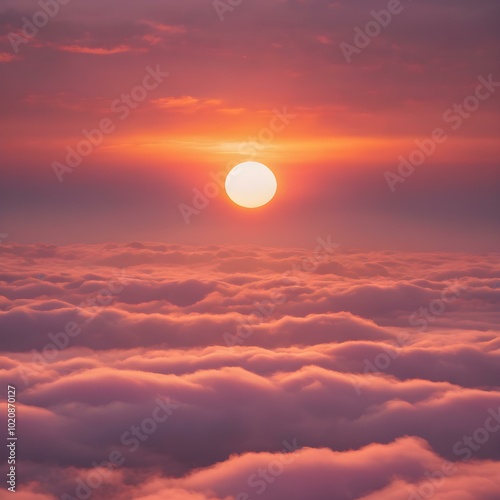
{"type": "Point", "coordinates": [251, 184]}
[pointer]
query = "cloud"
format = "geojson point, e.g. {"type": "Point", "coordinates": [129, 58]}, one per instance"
{"type": "Point", "coordinates": [397, 470]}
{"type": "Point", "coordinates": [93, 335]}
{"type": "Point", "coordinates": [5, 57]}
{"type": "Point", "coordinates": [165, 28]}
{"type": "Point", "coordinates": [100, 51]}
{"type": "Point", "coordinates": [187, 103]}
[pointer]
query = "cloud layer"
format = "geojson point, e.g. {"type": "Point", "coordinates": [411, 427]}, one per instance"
{"type": "Point", "coordinates": [215, 373]}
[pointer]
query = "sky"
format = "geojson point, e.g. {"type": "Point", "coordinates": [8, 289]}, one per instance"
{"type": "Point", "coordinates": [158, 341]}
{"type": "Point", "coordinates": [281, 82]}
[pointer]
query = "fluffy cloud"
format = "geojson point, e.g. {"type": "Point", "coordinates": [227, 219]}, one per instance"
{"type": "Point", "coordinates": [380, 367]}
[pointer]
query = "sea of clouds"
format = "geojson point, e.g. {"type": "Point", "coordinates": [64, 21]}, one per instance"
{"type": "Point", "coordinates": [154, 371]}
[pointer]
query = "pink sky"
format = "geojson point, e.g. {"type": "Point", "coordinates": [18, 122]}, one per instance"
{"type": "Point", "coordinates": [345, 126]}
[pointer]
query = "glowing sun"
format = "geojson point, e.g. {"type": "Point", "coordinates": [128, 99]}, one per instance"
{"type": "Point", "coordinates": [251, 184]}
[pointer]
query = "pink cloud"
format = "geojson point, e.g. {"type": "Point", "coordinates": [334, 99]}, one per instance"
{"type": "Point", "coordinates": [101, 51]}
{"type": "Point", "coordinates": [325, 366]}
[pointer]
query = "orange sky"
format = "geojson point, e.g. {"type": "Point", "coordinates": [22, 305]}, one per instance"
{"type": "Point", "coordinates": [269, 82]}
